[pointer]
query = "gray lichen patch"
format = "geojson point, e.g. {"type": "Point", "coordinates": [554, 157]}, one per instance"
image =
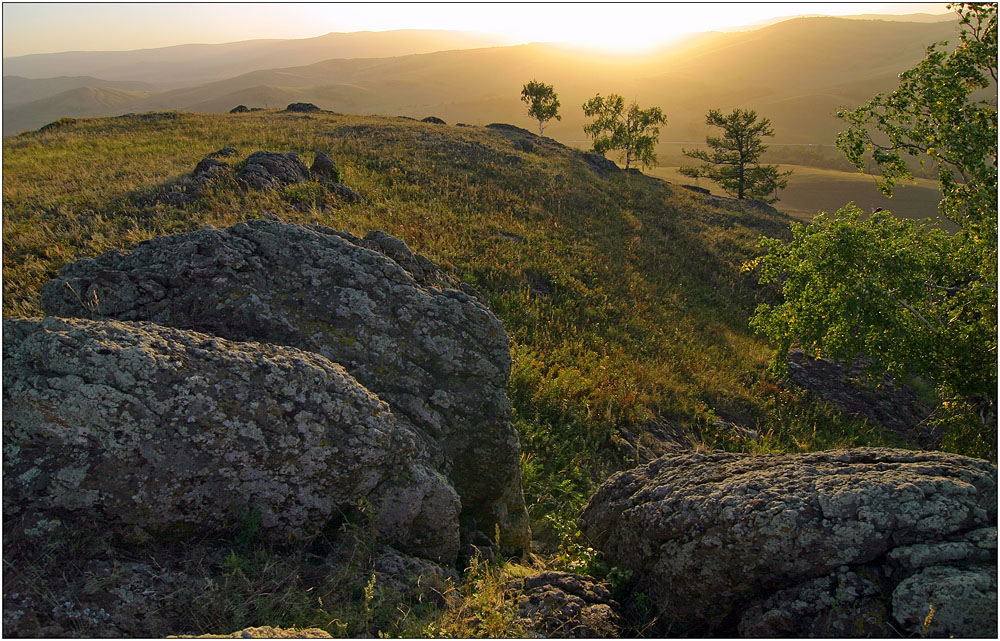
{"type": "Point", "coordinates": [400, 326]}
{"type": "Point", "coordinates": [713, 533]}
{"type": "Point", "coordinates": [169, 427]}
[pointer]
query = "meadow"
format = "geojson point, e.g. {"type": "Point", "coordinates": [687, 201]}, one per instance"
{"type": "Point", "coordinates": [623, 296]}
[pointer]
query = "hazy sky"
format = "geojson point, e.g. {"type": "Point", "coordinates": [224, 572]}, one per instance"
{"type": "Point", "coordinates": [50, 27]}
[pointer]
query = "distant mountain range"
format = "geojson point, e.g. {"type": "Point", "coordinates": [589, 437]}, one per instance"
{"type": "Point", "coordinates": [795, 72]}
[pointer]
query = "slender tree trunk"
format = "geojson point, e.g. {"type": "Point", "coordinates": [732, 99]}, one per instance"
{"type": "Point", "coordinates": [539, 127]}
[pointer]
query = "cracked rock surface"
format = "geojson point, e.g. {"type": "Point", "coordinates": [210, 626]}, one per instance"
{"type": "Point", "coordinates": [152, 431]}
{"type": "Point", "coordinates": [807, 544]}
{"type": "Point", "coordinates": [436, 355]}
{"type": "Point", "coordinates": [560, 605]}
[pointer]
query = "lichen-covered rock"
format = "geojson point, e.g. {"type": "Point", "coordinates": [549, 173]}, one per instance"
{"type": "Point", "coordinates": [436, 355]}
{"type": "Point", "coordinates": [325, 167]}
{"type": "Point", "coordinates": [845, 603]}
{"type": "Point", "coordinates": [947, 601]}
{"type": "Point", "coordinates": [890, 404]}
{"type": "Point", "coordinates": [264, 632]}
{"type": "Point", "coordinates": [146, 430]}
{"type": "Point", "coordinates": [302, 107]}
{"type": "Point", "coordinates": [715, 534]}
{"type": "Point", "coordinates": [566, 606]}
{"type": "Point", "coordinates": [266, 170]}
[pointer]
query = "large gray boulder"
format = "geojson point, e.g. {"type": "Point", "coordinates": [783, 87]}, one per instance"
{"type": "Point", "coordinates": [150, 431]}
{"type": "Point", "coordinates": [436, 355]}
{"type": "Point", "coordinates": [836, 543]}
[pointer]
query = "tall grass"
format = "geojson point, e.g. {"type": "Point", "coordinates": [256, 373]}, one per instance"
{"type": "Point", "coordinates": [622, 295]}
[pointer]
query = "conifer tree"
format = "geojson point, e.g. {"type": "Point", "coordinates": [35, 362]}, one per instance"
{"type": "Point", "coordinates": [733, 160]}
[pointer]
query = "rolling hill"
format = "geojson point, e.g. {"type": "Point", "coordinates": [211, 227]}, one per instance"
{"type": "Point", "coordinates": [184, 65]}
{"type": "Point", "coordinates": [18, 90]}
{"type": "Point", "coordinates": [795, 72]}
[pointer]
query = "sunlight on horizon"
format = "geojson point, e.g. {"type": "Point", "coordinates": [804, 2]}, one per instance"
{"type": "Point", "coordinates": [622, 27]}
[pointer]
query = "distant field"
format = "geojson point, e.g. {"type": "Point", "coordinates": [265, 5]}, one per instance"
{"type": "Point", "coordinates": [811, 190]}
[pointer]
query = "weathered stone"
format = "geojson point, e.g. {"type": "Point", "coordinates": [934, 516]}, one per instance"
{"type": "Point", "coordinates": [266, 170]}
{"type": "Point", "coordinates": [239, 109]}
{"type": "Point", "coordinates": [103, 593]}
{"type": "Point", "coordinates": [845, 603]}
{"type": "Point", "coordinates": [323, 166]}
{"type": "Point", "coordinates": [598, 163]}
{"type": "Point", "coordinates": [225, 151]}
{"type": "Point", "coordinates": [713, 533]}
{"type": "Point", "coordinates": [963, 600]}
{"type": "Point", "coordinates": [302, 107]}
{"type": "Point", "coordinates": [434, 120]}
{"type": "Point", "coordinates": [344, 193]}
{"type": "Point", "coordinates": [566, 606]}
{"type": "Point", "coordinates": [437, 356]}
{"type": "Point", "coordinates": [264, 632]}
{"type": "Point", "coordinates": [146, 430]}
{"type": "Point", "coordinates": [413, 579]}
{"type": "Point", "coordinates": [889, 404]}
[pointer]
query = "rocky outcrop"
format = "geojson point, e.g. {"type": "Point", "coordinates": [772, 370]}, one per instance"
{"type": "Point", "coordinates": [436, 356]}
{"type": "Point", "coordinates": [264, 632]}
{"type": "Point", "coordinates": [302, 107]}
{"type": "Point", "coordinates": [837, 543]}
{"type": "Point", "coordinates": [239, 109]}
{"type": "Point", "coordinates": [565, 606]}
{"type": "Point", "coordinates": [324, 167]}
{"type": "Point", "coordinates": [265, 170]}
{"type": "Point", "coordinates": [888, 404]}
{"type": "Point", "coordinates": [150, 431]}
{"type": "Point", "coordinates": [261, 171]}
{"type": "Point", "coordinates": [434, 120]}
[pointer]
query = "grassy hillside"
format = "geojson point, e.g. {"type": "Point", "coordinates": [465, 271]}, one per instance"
{"type": "Point", "coordinates": [18, 90]}
{"type": "Point", "coordinates": [99, 101]}
{"type": "Point", "coordinates": [622, 294]}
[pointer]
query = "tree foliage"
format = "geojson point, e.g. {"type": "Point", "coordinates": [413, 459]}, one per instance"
{"type": "Point", "coordinates": [909, 296]}
{"type": "Point", "coordinates": [543, 104]}
{"type": "Point", "coordinates": [632, 130]}
{"type": "Point", "coordinates": [733, 160]}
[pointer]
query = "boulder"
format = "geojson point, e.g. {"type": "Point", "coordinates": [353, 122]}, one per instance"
{"type": "Point", "coordinates": [265, 170]}
{"type": "Point", "coordinates": [565, 606]}
{"type": "Point", "coordinates": [434, 120]}
{"type": "Point", "coordinates": [302, 107]}
{"type": "Point", "coordinates": [344, 193]}
{"type": "Point", "coordinates": [239, 109]}
{"type": "Point", "coordinates": [264, 632]}
{"type": "Point", "coordinates": [805, 544]}
{"type": "Point", "coordinates": [225, 151]}
{"type": "Point", "coordinates": [889, 404]}
{"type": "Point", "coordinates": [436, 355]}
{"type": "Point", "coordinates": [324, 167]}
{"type": "Point", "coordinates": [146, 430]}
{"type": "Point", "coordinates": [598, 163]}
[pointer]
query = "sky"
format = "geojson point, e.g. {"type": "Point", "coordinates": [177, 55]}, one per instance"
{"type": "Point", "coordinates": [30, 27]}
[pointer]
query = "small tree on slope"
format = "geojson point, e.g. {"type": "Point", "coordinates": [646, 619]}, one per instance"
{"type": "Point", "coordinates": [733, 160]}
{"type": "Point", "coordinates": [543, 104]}
{"type": "Point", "coordinates": [633, 131]}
